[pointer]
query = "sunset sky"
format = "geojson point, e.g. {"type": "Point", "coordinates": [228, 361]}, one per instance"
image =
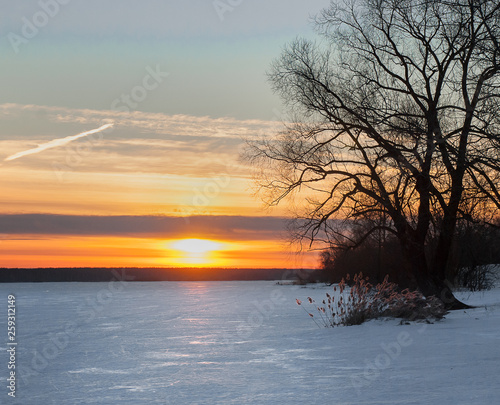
{"type": "Point", "coordinates": [174, 88]}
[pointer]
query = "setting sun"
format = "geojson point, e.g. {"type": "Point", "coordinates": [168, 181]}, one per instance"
{"type": "Point", "coordinates": [201, 252]}
{"type": "Point", "coordinates": [196, 246]}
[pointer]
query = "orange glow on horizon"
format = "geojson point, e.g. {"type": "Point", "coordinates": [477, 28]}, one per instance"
{"type": "Point", "coordinates": [86, 251]}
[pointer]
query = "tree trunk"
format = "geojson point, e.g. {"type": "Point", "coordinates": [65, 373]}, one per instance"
{"type": "Point", "coordinates": [429, 282]}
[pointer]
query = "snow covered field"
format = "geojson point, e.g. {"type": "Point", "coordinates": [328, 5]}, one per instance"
{"type": "Point", "coordinates": [237, 343]}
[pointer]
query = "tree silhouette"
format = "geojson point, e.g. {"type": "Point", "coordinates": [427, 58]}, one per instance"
{"type": "Point", "coordinates": [395, 114]}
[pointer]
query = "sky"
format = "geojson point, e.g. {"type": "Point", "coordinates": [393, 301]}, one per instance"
{"type": "Point", "coordinates": [121, 128]}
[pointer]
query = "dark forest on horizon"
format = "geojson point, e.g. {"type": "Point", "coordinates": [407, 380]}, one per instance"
{"type": "Point", "coordinates": [95, 274]}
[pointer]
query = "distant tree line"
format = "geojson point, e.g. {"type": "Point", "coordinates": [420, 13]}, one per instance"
{"type": "Point", "coordinates": [37, 275]}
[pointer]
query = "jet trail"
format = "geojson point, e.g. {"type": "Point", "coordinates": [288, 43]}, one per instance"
{"type": "Point", "coordinates": [57, 142]}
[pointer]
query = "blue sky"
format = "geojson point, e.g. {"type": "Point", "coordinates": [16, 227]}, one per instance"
{"type": "Point", "coordinates": [92, 51]}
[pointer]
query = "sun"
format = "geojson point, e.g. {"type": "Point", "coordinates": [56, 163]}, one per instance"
{"type": "Point", "coordinates": [200, 252]}
{"type": "Point", "coordinates": [195, 246]}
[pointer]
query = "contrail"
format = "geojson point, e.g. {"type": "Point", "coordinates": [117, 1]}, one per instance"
{"type": "Point", "coordinates": [57, 142]}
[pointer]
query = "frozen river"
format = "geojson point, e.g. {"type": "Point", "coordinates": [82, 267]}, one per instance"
{"type": "Point", "coordinates": [236, 343]}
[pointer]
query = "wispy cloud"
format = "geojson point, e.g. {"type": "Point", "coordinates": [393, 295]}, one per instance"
{"type": "Point", "coordinates": [153, 123]}
{"type": "Point", "coordinates": [57, 143]}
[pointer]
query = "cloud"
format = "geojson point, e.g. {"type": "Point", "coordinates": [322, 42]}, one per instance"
{"type": "Point", "coordinates": [57, 143]}
{"type": "Point", "coordinates": [215, 227]}
{"type": "Point", "coordinates": [142, 142]}
{"type": "Point", "coordinates": [159, 124]}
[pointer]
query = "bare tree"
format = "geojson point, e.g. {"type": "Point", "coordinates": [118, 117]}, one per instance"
{"type": "Point", "coordinates": [396, 114]}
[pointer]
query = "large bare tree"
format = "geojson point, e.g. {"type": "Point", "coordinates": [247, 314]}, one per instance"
{"type": "Point", "coordinates": [396, 113]}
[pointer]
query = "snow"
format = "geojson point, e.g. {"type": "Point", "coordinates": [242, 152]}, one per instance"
{"type": "Point", "coordinates": [238, 343]}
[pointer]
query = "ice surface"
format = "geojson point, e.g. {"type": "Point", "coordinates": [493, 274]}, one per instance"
{"type": "Point", "coordinates": [238, 343]}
